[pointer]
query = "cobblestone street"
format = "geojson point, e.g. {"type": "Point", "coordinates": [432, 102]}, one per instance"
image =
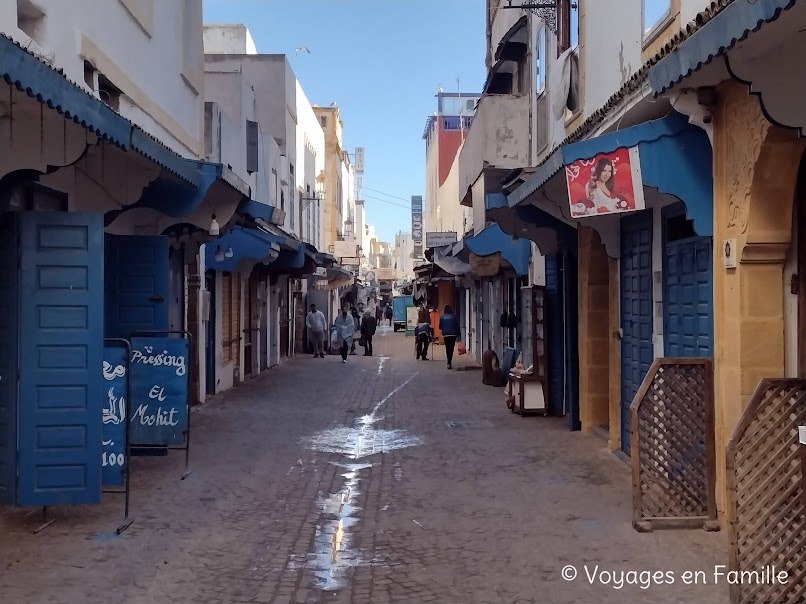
{"type": "Point", "coordinates": [324, 482]}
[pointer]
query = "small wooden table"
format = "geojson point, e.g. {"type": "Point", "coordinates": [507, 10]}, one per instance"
{"type": "Point", "coordinates": [527, 394]}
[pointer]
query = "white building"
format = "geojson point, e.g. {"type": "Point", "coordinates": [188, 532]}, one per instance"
{"type": "Point", "coordinates": [285, 113]}
{"type": "Point", "coordinates": [131, 66]}
{"type": "Point", "coordinates": [404, 263]}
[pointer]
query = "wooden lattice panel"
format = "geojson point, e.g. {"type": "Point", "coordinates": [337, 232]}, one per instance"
{"type": "Point", "coordinates": [672, 444]}
{"type": "Point", "coordinates": [766, 512]}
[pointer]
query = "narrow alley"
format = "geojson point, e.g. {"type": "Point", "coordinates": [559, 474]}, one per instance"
{"type": "Point", "coordinates": [383, 480]}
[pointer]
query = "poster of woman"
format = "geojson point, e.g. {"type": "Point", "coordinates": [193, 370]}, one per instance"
{"type": "Point", "coordinates": [605, 184]}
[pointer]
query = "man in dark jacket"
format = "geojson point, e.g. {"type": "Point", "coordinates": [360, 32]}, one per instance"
{"type": "Point", "coordinates": [368, 325]}
{"type": "Point", "coordinates": [449, 326]}
{"type": "Point", "coordinates": [357, 321]}
{"type": "Point", "coordinates": [422, 337]}
{"type": "Point", "coordinates": [389, 313]}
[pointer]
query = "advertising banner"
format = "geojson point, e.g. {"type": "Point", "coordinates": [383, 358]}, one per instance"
{"type": "Point", "coordinates": [607, 183]}
{"type": "Point", "coordinates": [417, 226]}
{"type": "Point", "coordinates": [159, 374]}
{"type": "Point", "coordinates": [113, 455]}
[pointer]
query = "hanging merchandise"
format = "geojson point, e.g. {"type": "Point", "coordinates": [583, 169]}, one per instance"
{"type": "Point", "coordinates": [512, 320]}
{"type": "Point", "coordinates": [504, 319]}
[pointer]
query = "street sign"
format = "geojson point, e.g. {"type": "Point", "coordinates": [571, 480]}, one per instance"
{"type": "Point", "coordinates": [113, 455]}
{"type": "Point", "coordinates": [417, 225]}
{"type": "Point", "coordinates": [159, 390]}
{"type": "Point", "coordinates": [440, 239]}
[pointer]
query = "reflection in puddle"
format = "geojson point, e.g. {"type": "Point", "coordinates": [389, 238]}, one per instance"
{"type": "Point", "coordinates": [333, 554]}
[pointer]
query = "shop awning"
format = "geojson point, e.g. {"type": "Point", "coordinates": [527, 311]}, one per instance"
{"type": "Point", "coordinates": [28, 73]}
{"type": "Point", "coordinates": [715, 38]}
{"type": "Point", "coordinates": [248, 246]}
{"type": "Point", "coordinates": [550, 234]}
{"type": "Point", "coordinates": [261, 213]}
{"type": "Point", "coordinates": [492, 240]}
{"type": "Point", "coordinates": [25, 71]}
{"type": "Point", "coordinates": [675, 159]}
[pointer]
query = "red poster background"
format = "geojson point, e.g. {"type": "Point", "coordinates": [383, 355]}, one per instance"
{"type": "Point", "coordinates": [580, 173]}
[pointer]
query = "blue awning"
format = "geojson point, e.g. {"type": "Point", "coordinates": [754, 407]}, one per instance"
{"type": "Point", "coordinates": [676, 159]}
{"type": "Point", "coordinates": [266, 218]}
{"type": "Point", "coordinates": [176, 198]}
{"type": "Point", "coordinates": [527, 221]}
{"type": "Point", "coordinates": [25, 71]}
{"type": "Point", "coordinates": [492, 240]}
{"type": "Point", "coordinates": [713, 39]}
{"type": "Point", "coordinates": [246, 245]}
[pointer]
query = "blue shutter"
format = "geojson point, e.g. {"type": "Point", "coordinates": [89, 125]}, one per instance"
{"type": "Point", "coordinates": [61, 317]}
{"type": "Point", "coordinates": [637, 351]}
{"type": "Point", "coordinates": [136, 285]}
{"type": "Point", "coordinates": [555, 336]}
{"type": "Point", "coordinates": [9, 343]}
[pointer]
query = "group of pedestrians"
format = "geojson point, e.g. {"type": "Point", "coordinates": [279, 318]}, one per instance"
{"type": "Point", "coordinates": [352, 321]}
{"type": "Point", "coordinates": [348, 324]}
{"type": "Point", "coordinates": [423, 334]}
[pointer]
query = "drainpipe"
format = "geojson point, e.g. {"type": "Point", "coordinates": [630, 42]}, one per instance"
{"type": "Point", "coordinates": [697, 105]}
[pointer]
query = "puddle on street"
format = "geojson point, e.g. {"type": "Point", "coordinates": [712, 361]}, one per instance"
{"type": "Point", "coordinates": [333, 554]}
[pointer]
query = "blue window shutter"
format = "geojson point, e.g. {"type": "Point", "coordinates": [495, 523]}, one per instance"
{"type": "Point", "coordinates": [252, 147]}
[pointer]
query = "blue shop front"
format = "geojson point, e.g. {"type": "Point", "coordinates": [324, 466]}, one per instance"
{"type": "Point", "coordinates": [638, 205]}
{"type": "Point", "coordinates": [91, 207]}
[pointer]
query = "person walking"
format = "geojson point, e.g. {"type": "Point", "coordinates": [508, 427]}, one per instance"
{"type": "Point", "coordinates": [368, 326]}
{"type": "Point", "coordinates": [315, 322]}
{"type": "Point", "coordinates": [345, 328]}
{"type": "Point", "coordinates": [389, 313]}
{"type": "Point", "coordinates": [422, 338]}
{"type": "Point", "coordinates": [449, 326]}
{"type": "Point", "coordinates": [357, 322]}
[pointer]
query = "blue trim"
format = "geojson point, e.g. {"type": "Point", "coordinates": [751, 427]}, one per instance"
{"type": "Point", "coordinates": [246, 244]}
{"type": "Point", "coordinates": [676, 158]}
{"type": "Point", "coordinates": [27, 73]}
{"type": "Point", "coordinates": [492, 240]}
{"type": "Point", "coordinates": [732, 25]}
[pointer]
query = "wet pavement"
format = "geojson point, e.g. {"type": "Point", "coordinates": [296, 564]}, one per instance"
{"type": "Point", "coordinates": [383, 480]}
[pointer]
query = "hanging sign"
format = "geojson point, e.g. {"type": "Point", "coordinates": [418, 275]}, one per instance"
{"type": "Point", "coordinates": [607, 183]}
{"type": "Point", "coordinates": [113, 455]}
{"type": "Point", "coordinates": [485, 266]}
{"type": "Point", "coordinates": [159, 374]}
{"type": "Point", "coordinates": [417, 226]}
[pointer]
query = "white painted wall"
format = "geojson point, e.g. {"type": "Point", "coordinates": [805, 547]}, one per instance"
{"type": "Point", "coordinates": [311, 147]}
{"type": "Point", "coordinates": [432, 201]}
{"type": "Point", "coordinates": [153, 54]}
{"type": "Point", "coordinates": [452, 216]}
{"type": "Point", "coordinates": [228, 39]}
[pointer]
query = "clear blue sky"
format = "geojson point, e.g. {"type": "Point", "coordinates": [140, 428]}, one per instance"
{"type": "Point", "coordinates": [381, 61]}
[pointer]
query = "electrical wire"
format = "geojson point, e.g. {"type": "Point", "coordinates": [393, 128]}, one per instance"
{"type": "Point", "coordinates": [391, 203]}
{"type": "Point", "coordinates": [386, 194]}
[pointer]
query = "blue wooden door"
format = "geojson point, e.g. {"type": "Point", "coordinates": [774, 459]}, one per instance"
{"type": "Point", "coordinates": [571, 330]}
{"type": "Point", "coordinates": [687, 288]}
{"type": "Point", "coordinates": [9, 346]}
{"type": "Point", "coordinates": [636, 311]}
{"type": "Point", "coordinates": [555, 308]}
{"type": "Point", "coordinates": [60, 387]}
{"type": "Point", "coordinates": [137, 285]}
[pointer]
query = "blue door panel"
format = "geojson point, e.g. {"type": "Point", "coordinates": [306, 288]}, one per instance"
{"type": "Point", "coordinates": [688, 295]}
{"type": "Point", "coordinates": [570, 287]}
{"type": "Point", "coordinates": [9, 345]}
{"type": "Point", "coordinates": [60, 389]}
{"type": "Point", "coordinates": [137, 285]}
{"type": "Point", "coordinates": [637, 351]}
{"type": "Point", "coordinates": [555, 336]}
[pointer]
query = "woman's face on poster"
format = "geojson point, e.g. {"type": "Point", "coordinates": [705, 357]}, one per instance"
{"type": "Point", "coordinates": [606, 173]}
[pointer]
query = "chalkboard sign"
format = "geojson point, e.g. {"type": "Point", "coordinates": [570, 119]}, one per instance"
{"type": "Point", "coordinates": [159, 374]}
{"type": "Point", "coordinates": [113, 455]}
